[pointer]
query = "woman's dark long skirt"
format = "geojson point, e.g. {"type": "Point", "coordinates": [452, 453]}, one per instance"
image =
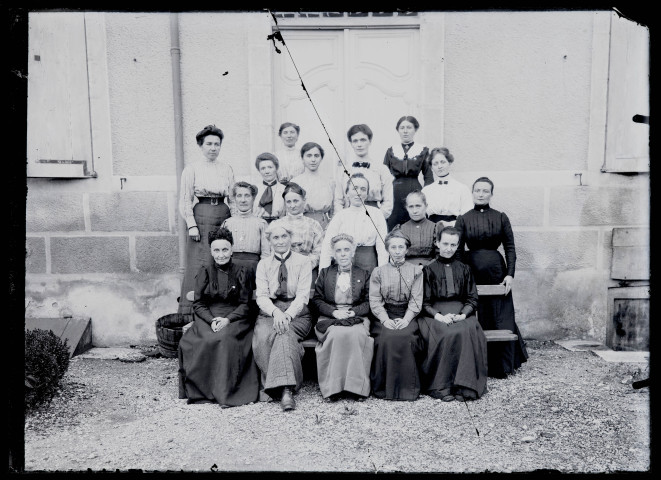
{"type": "Point", "coordinates": [497, 313]}
{"type": "Point", "coordinates": [246, 258]}
{"type": "Point", "coordinates": [365, 258]}
{"type": "Point", "coordinates": [218, 366]}
{"type": "Point", "coordinates": [208, 217]}
{"type": "Point", "coordinates": [456, 354]}
{"type": "Point", "coordinates": [397, 354]}
{"type": "Point", "coordinates": [401, 187]}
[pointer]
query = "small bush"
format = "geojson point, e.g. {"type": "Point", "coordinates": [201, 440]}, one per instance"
{"type": "Point", "coordinates": [46, 362]}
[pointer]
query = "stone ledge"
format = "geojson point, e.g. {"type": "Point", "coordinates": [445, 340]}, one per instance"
{"type": "Point", "coordinates": [623, 357]}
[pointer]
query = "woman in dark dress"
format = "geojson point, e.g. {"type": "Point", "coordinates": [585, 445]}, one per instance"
{"type": "Point", "coordinates": [215, 354]}
{"type": "Point", "coordinates": [395, 301]}
{"type": "Point", "coordinates": [455, 364]}
{"type": "Point", "coordinates": [483, 230]}
{"type": "Point", "coordinates": [406, 160]}
{"type": "Point", "coordinates": [204, 204]}
{"type": "Point", "coordinates": [420, 230]}
{"type": "Point", "coordinates": [344, 351]}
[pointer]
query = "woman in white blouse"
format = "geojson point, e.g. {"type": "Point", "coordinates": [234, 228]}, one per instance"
{"type": "Point", "coordinates": [205, 191]}
{"type": "Point", "coordinates": [446, 197]}
{"type": "Point", "coordinates": [319, 205]}
{"type": "Point", "coordinates": [289, 156]}
{"type": "Point", "coordinates": [368, 230]}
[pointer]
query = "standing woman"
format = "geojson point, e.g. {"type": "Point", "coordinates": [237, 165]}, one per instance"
{"type": "Point", "coordinates": [320, 205]}
{"type": "Point", "coordinates": [248, 230]}
{"type": "Point", "coordinates": [396, 295]}
{"type": "Point", "coordinates": [377, 174]}
{"type": "Point", "coordinates": [216, 362]}
{"type": "Point", "coordinates": [406, 160]}
{"type": "Point", "coordinates": [483, 230]}
{"type": "Point", "coordinates": [205, 185]}
{"type": "Point", "coordinates": [307, 234]}
{"type": "Point", "coordinates": [344, 354]}
{"type": "Point", "coordinates": [368, 231]}
{"type": "Point", "coordinates": [268, 202]}
{"type": "Point", "coordinates": [446, 197]}
{"type": "Point", "coordinates": [290, 159]}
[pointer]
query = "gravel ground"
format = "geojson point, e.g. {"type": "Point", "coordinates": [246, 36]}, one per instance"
{"type": "Point", "coordinates": [564, 411]}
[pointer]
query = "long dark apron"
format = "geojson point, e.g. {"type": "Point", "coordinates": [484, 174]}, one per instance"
{"type": "Point", "coordinates": [455, 354]}
{"type": "Point", "coordinates": [397, 353]}
{"type": "Point", "coordinates": [218, 366]}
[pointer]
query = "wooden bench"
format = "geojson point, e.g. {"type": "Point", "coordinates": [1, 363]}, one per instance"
{"type": "Point", "coordinates": [484, 290]}
{"type": "Point", "coordinates": [492, 336]}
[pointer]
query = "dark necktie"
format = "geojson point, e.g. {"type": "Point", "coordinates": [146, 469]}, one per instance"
{"type": "Point", "coordinates": [406, 148]}
{"type": "Point", "coordinates": [282, 275]}
{"type": "Point", "coordinates": [361, 164]}
{"type": "Point", "coordinates": [449, 280]}
{"type": "Point", "coordinates": [266, 201]}
{"type": "Point", "coordinates": [442, 182]}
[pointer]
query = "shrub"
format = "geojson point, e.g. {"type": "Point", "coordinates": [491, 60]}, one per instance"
{"type": "Point", "coordinates": [46, 362]}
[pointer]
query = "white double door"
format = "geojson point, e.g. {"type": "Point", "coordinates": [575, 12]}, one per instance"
{"type": "Point", "coordinates": [369, 76]}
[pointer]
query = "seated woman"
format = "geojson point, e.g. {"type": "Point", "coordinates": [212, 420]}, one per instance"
{"type": "Point", "coordinates": [395, 300]}
{"type": "Point", "coordinates": [370, 250]}
{"type": "Point", "coordinates": [420, 230]}
{"type": "Point", "coordinates": [307, 233]}
{"type": "Point", "coordinates": [455, 364]}
{"type": "Point", "coordinates": [320, 205]}
{"type": "Point", "coordinates": [344, 355]}
{"type": "Point", "coordinates": [215, 354]}
{"type": "Point", "coordinates": [283, 291]}
{"type": "Point", "coordinates": [269, 204]}
{"type": "Point", "coordinates": [249, 230]}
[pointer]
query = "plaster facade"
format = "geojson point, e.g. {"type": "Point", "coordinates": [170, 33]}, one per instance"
{"type": "Point", "coordinates": [516, 96]}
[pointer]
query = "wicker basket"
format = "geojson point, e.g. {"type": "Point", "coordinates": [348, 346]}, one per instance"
{"type": "Point", "coordinates": [169, 332]}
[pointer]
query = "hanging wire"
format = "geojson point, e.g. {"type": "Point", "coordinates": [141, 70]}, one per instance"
{"type": "Point", "coordinates": [277, 35]}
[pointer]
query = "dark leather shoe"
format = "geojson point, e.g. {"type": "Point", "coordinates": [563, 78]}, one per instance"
{"type": "Point", "coordinates": [448, 398]}
{"type": "Point", "coordinates": [287, 401]}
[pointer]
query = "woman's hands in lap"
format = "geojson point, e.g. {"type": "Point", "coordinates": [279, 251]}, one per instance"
{"type": "Point", "coordinates": [281, 321]}
{"type": "Point", "coordinates": [219, 323]}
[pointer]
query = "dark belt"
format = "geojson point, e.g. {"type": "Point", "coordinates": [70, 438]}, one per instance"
{"type": "Point", "coordinates": [284, 298]}
{"type": "Point", "coordinates": [446, 218]}
{"type": "Point", "coordinates": [211, 200]}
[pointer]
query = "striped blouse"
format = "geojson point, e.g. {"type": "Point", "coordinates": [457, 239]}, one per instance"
{"type": "Point", "coordinates": [398, 286]}
{"type": "Point", "coordinates": [249, 233]}
{"type": "Point", "coordinates": [204, 178]}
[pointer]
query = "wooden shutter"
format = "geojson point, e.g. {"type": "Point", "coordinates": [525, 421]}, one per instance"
{"type": "Point", "coordinates": [627, 141]}
{"type": "Point", "coordinates": [59, 141]}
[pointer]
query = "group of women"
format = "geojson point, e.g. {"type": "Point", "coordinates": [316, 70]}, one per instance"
{"type": "Point", "coordinates": [373, 261]}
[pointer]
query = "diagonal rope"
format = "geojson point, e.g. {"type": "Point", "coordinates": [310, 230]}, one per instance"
{"type": "Point", "coordinates": [277, 35]}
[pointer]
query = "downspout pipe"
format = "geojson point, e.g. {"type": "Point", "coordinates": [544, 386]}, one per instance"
{"type": "Point", "coordinates": [175, 56]}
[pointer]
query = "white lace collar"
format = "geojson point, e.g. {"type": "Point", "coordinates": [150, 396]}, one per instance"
{"type": "Point", "coordinates": [414, 151]}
